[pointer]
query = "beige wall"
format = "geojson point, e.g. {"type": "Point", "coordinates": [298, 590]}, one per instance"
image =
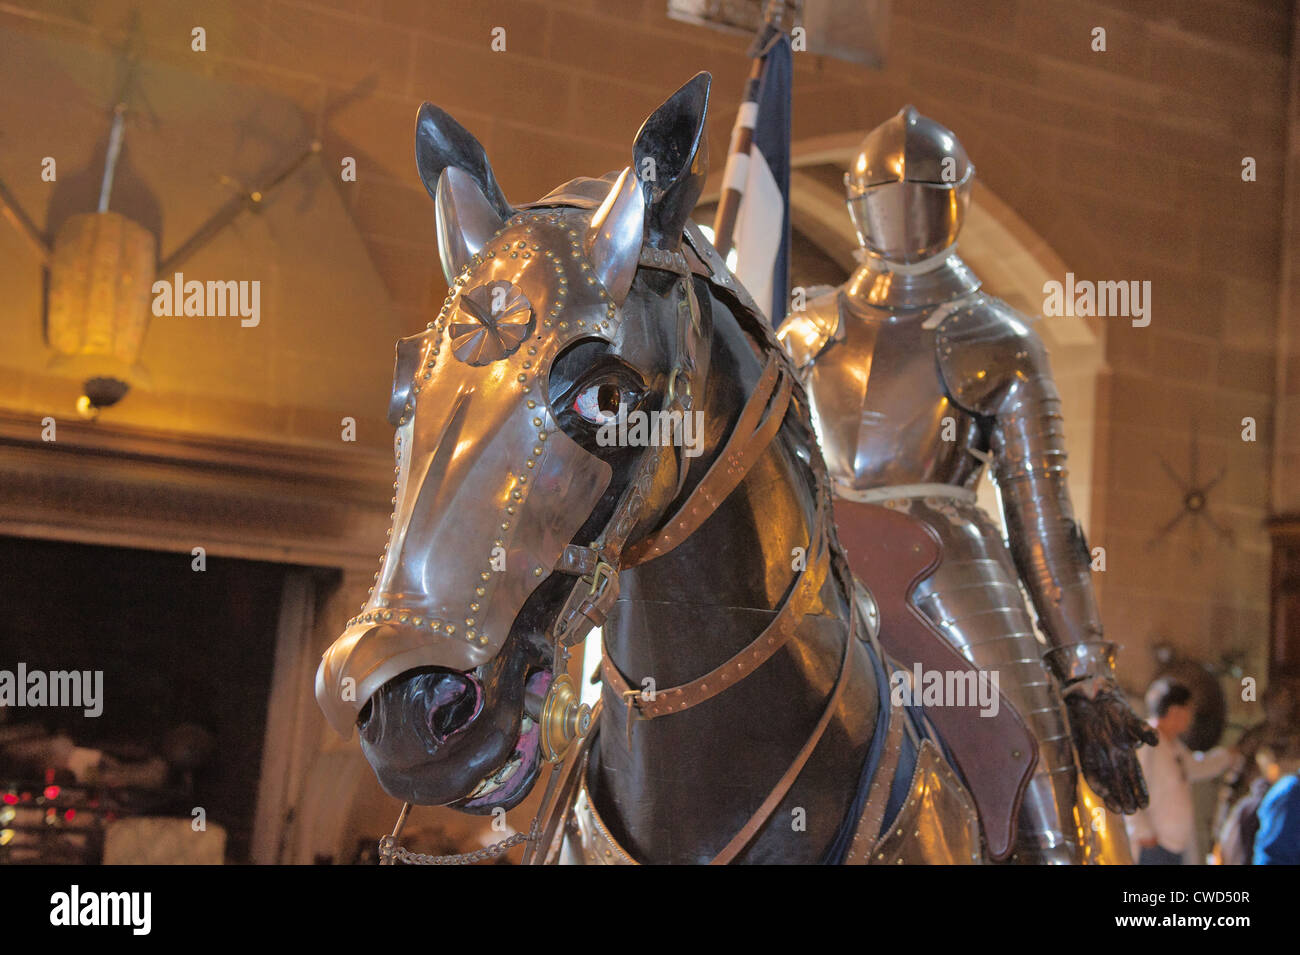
{"type": "Point", "coordinates": [1286, 467]}
{"type": "Point", "coordinates": [1126, 163]}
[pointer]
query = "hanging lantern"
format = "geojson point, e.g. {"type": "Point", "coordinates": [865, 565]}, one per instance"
{"type": "Point", "coordinates": [101, 274]}
{"type": "Point", "coordinates": [102, 269]}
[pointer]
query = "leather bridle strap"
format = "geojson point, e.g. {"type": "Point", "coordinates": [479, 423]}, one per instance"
{"type": "Point", "coordinates": [746, 835]}
{"type": "Point", "coordinates": [750, 830]}
{"type": "Point", "coordinates": [597, 566]}
{"type": "Point", "coordinates": [799, 599]}
{"type": "Point", "coordinates": [757, 426]}
{"type": "Point", "coordinates": [593, 596]}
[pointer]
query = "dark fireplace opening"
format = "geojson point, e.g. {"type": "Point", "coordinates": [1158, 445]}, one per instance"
{"type": "Point", "coordinates": [186, 658]}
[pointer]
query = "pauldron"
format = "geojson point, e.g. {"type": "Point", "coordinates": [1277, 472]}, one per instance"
{"type": "Point", "coordinates": [806, 334]}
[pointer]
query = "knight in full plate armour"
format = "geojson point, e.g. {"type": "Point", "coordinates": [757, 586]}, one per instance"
{"type": "Point", "coordinates": [917, 379]}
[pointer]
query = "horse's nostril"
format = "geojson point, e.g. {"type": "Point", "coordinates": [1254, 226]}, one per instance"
{"type": "Point", "coordinates": [454, 700]}
{"type": "Point", "coordinates": [370, 720]}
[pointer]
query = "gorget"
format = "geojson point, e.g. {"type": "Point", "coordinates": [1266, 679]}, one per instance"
{"type": "Point", "coordinates": [892, 285]}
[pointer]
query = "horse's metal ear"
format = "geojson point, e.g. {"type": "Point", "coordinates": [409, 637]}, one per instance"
{"type": "Point", "coordinates": [671, 156]}
{"type": "Point", "coordinates": [466, 220]}
{"type": "Point", "coordinates": [613, 241]}
{"type": "Point", "coordinates": [441, 142]}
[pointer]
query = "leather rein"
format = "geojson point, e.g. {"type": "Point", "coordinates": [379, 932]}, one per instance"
{"type": "Point", "coordinates": [597, 568]}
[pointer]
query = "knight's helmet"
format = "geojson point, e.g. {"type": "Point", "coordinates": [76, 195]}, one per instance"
{"type": "Point", "coordinates": [909, 188]}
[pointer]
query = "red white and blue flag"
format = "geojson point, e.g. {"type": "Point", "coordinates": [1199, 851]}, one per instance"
{"type": "Point", "coordinates": [757, 176]}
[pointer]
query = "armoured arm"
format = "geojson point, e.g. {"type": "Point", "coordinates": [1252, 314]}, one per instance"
{"type": "Point", "coordinates": [1029, 465]}
{"type": "Point", "coordinates": [997, 368]}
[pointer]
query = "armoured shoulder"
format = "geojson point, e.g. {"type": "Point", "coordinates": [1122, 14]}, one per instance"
{"type": "Point", "coordinates": [805, 334]}
{"type": "Point", "coordinates": [988, 354]}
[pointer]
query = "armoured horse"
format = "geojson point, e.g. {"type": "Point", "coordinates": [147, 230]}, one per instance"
{"type": "Point", "coordinates": [746, 713]}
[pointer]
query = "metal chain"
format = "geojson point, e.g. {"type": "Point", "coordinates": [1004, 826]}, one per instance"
{"type": "Point", "coordinates": [390, 851]}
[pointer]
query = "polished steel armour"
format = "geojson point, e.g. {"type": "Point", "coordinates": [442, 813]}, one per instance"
{"type": "Point", "coordinates": [917, 379]}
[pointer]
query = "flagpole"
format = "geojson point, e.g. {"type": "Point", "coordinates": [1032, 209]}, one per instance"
{"type": "Point", "coordinates": [742, 135]}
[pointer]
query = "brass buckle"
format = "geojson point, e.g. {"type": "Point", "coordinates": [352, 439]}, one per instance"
{"type": "Point", "coordinates": [604, 572]}
{"type": "Point", "coordinates": [672, 387]}
{"type": "Point", "coordinates": [579, 607]}
{"type": "Point", "coordinates": [632, 704]}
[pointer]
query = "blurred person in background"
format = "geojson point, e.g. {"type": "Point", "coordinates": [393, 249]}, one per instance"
{"type": "Point", "coordinates": [1278, 840]}
{"type": "Point", "coordinates": [1165, 832]}
{"type": "Point", "coordinates": [1237, 834]}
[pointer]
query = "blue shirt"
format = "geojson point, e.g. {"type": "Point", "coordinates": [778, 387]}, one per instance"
{"type": "Point", "coordinates": [1278, 840]}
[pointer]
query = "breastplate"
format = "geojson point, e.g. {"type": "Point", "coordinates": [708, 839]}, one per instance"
{"type": "Point", "coordinates": [880, 407]}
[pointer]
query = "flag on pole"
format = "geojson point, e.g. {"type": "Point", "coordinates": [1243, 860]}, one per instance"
{"type": "Point", "coordinates": [757, 181]}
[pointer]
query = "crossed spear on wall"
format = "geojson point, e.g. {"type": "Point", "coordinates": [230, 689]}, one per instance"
{"type": "Point", "coordinates": [1195, 503]}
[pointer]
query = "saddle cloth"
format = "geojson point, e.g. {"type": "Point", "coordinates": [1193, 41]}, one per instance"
{"type": "Point", "coordinates": [996, 754]}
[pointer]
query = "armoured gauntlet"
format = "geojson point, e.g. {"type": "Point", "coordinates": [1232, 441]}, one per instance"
{"type": "Point", "coordinates": [1052, 557]}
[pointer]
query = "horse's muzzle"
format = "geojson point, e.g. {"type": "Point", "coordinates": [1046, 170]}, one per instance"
{"type": "Point", "coordinates": [472, 538]}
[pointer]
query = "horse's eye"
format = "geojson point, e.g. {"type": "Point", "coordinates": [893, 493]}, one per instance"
{"type": "Point", "coordinates": [599, 403]}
